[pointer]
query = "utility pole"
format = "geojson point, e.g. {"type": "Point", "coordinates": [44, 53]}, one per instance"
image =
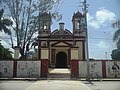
{"type": "Point", "coordinates": [106, 55]}
{"type": "Point", "coordinates": [85, 10]}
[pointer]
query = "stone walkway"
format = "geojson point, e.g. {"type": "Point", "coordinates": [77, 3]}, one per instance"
{"type": "Point", "coordinates": [60, 82]}
{"type": "Point", "coordinates": [58, 85]}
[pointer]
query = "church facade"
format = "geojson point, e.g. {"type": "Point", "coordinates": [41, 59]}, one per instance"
{"type": "Point", "coordinates": [60, 46]}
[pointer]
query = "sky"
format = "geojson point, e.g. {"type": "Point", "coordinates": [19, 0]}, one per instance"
{"type": "Point", "coordinates": [101, 14]}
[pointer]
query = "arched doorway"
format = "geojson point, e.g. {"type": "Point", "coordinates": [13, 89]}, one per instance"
{"type": "Point", "coordinates": [61, 60]}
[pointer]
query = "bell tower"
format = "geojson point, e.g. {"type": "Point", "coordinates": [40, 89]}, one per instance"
{"type": "Point", "coordinates": [78, 21]}
{"type": "Point", "coordinates": [44, 24]}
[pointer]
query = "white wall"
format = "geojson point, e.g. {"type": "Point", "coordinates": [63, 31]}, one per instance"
{"type": "Point", "coordinates": [6, 68]}
{"type": "Point", "coordinates": [33, 68]}
{"type": "Point", "coordinates": [95, 68]}
{"type": "Point", "coordinates": [28, 68]}
{"type": "Point", "coordinates": [82, 69]}
{"type": "Point", "coordinates": [111, 70]}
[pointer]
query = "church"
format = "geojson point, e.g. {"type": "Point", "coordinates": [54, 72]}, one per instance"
{"type": "Point", "coordinates": [60, 46]}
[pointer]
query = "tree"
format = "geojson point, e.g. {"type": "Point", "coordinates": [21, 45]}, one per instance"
{"type": "Point", "coordinates": [5, 53]}
{"type": "Point", "coordinates": [1, 51]}
{"type": "Point", "coordinates": [24, 14]}
{"type": "Point", "coordinates": [4, 23]}
{"type": "Point", "coordinates": [116, 38]}
{"type": "Point", "coordinates": [115, 54]}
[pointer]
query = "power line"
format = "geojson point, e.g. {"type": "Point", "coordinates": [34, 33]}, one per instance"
{"type": "Point", "coordinates": [101, 29]}
{"type": "Point", "coordinates": [100, 38]}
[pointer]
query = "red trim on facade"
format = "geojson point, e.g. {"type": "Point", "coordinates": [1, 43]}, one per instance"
{"type": "Point", "coordinates": [61, 46]}
{"type": "Point", "coordinates": [63, 36]}
{"type": "Point", "coordinates": [53, 57]}
{"type": "Point", "coordinates": [69, 56]}
{"type": "Point", "coordinates": [104, 69]}
{"type": "Point", "coordinates": [39, 51]}
{"type": "Point", "coordinates": [74, 68]}
{"type": "Point", "coordinates": [62, 42]}
{"type": "Point", "coordinates": [44, 67]}
{"type": "Point", "coordinates": [66, 40]}
{"type": "Point", "coordinates": [83, 46]}
{"type": "Point", "coordinates": [15, 68]}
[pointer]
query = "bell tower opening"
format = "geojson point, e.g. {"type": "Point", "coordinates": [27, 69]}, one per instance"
{"type": "Point", "coordinates": [61, 60]}
{"type": "Point", "coordinates": [78, 21]}
{"type": "Point", "coordinates": [44, 24]}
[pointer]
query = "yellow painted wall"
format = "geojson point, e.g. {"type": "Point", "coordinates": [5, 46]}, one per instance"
{"type": "Point", "coordinates": [74, 54]}
{"type": "Point", "coordinates": [80, 50]}
{"type": "Point", "coordinates": [44, 54]}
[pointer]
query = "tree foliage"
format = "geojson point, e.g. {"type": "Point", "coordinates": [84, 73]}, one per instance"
{"type": "Point", "coordinates": [24, 14]}
{"type": "Point", "coordinates": [115, 54]}
{"type": "Point", "coordinates": [4, 23]}
{"type": "Point", "coordinates": [5, 53]}
{"type": "Point", "coordinates": [116, 38]}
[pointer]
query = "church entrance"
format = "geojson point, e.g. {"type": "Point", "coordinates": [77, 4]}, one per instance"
{"type": "Point", "coordinates": [61, 60]}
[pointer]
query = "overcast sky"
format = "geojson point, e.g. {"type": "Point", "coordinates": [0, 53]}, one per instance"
{"type": "Point", "coordinates": [101, 14]}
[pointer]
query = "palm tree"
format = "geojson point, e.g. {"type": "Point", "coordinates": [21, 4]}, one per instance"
{"type": "Point", "coordinates": [4, 23]}
{"type": "Point", "coordinates": [5, 53]}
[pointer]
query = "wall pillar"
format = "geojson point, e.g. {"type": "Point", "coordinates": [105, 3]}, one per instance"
{"type": "Point", "coordinates": [14, 68]}
{"type": "Point", "coordinates": [44, 62]}
{"type": "Point", "coordinates": [44, 67]}
{"type": "Point", "coordinates": [74, 68]}
{"type": "Point", "coordinates": [104, 69]}
{"type": "Point", "coordinates": [74, 62]}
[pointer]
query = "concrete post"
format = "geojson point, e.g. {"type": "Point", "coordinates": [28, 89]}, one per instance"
{"type": "Point", "coordinates": [16, 52]}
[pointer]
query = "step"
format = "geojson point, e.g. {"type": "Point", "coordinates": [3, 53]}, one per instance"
{"type": "Point", "coordinates": [56, 70]}
{"type": "Point", "coordinates": [59, 73]}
